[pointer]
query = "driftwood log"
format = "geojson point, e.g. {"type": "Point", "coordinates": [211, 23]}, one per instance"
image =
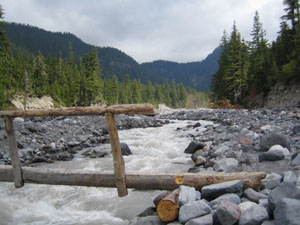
{"type": "Point", "coordinates": [168, 208]}
{"type": "Point", "coordinates": [130, 109]}
{"type": "Point", "coordinates": [78, 177]}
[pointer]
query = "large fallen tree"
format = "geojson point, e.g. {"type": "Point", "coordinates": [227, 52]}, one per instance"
{"type": "Point", "coordinates": [78, 177]}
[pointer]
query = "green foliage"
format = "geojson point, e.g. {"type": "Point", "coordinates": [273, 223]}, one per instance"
{"type": "Point", "coordinates": [246, 69]}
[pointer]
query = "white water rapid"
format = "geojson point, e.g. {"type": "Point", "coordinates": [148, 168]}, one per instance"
{"type": "Point", "coordinates": [154, 150]}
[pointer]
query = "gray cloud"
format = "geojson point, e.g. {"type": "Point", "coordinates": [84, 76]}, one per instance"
{"type": "Point", "coordinates": [177, 30]}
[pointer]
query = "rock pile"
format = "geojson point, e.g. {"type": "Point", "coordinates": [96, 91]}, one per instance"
{"type": "Point", "coordinates": [229, 203]}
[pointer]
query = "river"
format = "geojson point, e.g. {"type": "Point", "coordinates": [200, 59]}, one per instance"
{"type": "Point", "coordinates": [155, 150]}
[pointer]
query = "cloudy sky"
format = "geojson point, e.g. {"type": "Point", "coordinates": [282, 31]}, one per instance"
{"type": "Point", "coordinates": [176, 30]}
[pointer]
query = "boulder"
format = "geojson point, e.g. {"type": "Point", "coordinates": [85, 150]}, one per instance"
{"type": "Point", "coordinates": [203, 220]}
{"type": "Point", "coordinates": [252, 214]}
{"type": "Point", "coordinates": [193, 210]}
{"type": "Point", "coordinates": [228, 213]}
{"type": "Point", "coordinates": [186, 194]}
{"type": "Point", "coordinates": [193, 147]}
{"type": "Point", "coordinates": [285, 151]}
{"type": "Point", "coordinates": [215, 190]}
{"type": "Point", "coordinates": [254, 195]}
{"type": "Point", "coordinates": [125, 149]}
{"type": "Point", "coordinates": [271, 181]}
{"type": "Point", "coordinates": [273, 155]}
{"type": "Point", "coordinates": [296, 160]}
{"type": "Point", "coordinates": [283, 190]}
{"type": "Point", "coordinates": [287, 212]}
{"type": "Point", "coordinates": [234, 198]}
{"type": "Point", "coordinates": [148, 220]}
{"type": "Point", "coordinates": [290, 177]}
{"type": "Point", "coordinates": [267, 141]}
{"type": "Point", "coordinates": [227, 165]}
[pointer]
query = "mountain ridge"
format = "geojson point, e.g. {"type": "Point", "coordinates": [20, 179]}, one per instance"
{"type": "Point", "coordinates": [27, 38]}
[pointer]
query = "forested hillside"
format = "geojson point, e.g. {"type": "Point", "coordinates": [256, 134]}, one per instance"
{"type": "Point", "coordinates": [29, 39]}
{"type": "Point", "coordinates": [247, 68]}
{"type": "Point", "coordinates": [78, 80]}
{"type": "Point", "coordinates": [193, 74]}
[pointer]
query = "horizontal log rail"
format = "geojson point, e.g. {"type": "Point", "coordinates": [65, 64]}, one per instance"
{"type": "Point", "coordinates": [76, 177]}
{"type": "Point", "coordinates": [145, 109]}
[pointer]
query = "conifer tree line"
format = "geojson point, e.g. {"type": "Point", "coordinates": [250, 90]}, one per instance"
{"type": "Point", "coordinates": [72, 82]}
{"type": "Point", "coordinates": [247, 68]}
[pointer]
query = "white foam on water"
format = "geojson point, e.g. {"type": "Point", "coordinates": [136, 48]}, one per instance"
{"type": "Point", "coordinates": [155, 150]}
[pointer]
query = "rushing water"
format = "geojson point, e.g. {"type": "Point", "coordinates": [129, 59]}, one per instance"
{"type": "Point", "coordinates": [155, 150]}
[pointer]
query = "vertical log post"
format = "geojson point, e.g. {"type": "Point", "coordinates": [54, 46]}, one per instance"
{"type": "Point", "coordinates": [14, 155]}
{"type": "Point", "coordinates": [119, 167]}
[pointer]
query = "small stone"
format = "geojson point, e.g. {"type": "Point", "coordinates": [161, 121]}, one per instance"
{"type": "Point", "coordinates": [125, 149]}
{"type": "Point", "coordinates": [227, 165]}
{"type": "Point", "coordinates": [296, 129]}
{"type": "Point", "coordinates": [254, 195]}
{"type": "Point", "coordinates": [193, 210]}
{"type": "Point", "coordinates": [215, 190]}
{"type": "Point", "coordinates": [193, 147]}
{"type": "Point", "coordinates": [221, 150]}
{"type": "Point", "coordinates": [287, 212]}
{"type": "Point", "coordinates": [273, 155]}
{"type": "Point", "coordinates": [203, 220]}
{"type": "Point", "coordinates": [228, 213]}
{"type": "Point", "coordinates": [198, 124]}
{"type": "Point", "coordinates": [186, 194]}
{"type": "Point", "coordinates": [252, 214]}
{"type": "Point", "coordinates": [290, 177]}
{"type": "Point", "coordinates": [200, 161]}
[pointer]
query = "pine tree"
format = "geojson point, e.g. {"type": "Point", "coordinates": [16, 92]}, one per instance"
{"type": "Point", "coordinates": [218, 85]}
{"type": "Point", "coordinates": [234, 77]}
{"type": "Point", "coordinates": [260, 58]}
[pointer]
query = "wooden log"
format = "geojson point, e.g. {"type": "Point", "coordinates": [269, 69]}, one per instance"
{"type": "Point", "coordinates": [146, 109]}
{"type": "Point", "coordinates": [119, 167]}
{"type": "Point", "coordinates": [88, 178]}
{"type": "Point", "coordinates": [167, 209]}
{"type": "Point", "coordinates": [13, 152]}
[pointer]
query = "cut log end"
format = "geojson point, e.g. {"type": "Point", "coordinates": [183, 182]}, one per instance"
{"type": "Point", "coordinates": [167, 210]}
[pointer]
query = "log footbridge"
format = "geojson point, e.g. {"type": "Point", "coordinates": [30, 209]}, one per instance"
{"type": "Point", "coordinates": [119, 179]}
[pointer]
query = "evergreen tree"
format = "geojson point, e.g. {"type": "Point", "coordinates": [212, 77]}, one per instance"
{"type": "Point", "coordinates": [234, 78]}
{"type": "Point", "coordinates": [218, 85]}
{"type": "Point", "coordinates": [260, 58]}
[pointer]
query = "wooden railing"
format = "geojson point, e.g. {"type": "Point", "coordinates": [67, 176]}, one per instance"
{"type": "Point", "coordinates": [20, 175]}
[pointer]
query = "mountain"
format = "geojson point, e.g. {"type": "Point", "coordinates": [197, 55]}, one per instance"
{"type": "Point", "coordinates": [26, 38]}
{"type": "Point", "coordinates": [29, 39]}
{"type": "Point", "coordinates": [193, 74]}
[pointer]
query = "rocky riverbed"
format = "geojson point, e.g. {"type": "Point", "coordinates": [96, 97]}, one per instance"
{"type": "Point", "coordinates": [237, 140]}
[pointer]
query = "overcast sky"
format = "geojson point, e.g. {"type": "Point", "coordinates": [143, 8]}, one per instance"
{"type": "Point", "coordinates": [147, 30]}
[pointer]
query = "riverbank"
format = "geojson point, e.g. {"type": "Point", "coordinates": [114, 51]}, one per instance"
{"type": "Point", "coordinates": [226, 140]}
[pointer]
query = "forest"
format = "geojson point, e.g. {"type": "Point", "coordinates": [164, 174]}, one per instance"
{"type": "Point", "coordinates": [247, 68]}
{"type": "Point", "coordinates": [80, 82]}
